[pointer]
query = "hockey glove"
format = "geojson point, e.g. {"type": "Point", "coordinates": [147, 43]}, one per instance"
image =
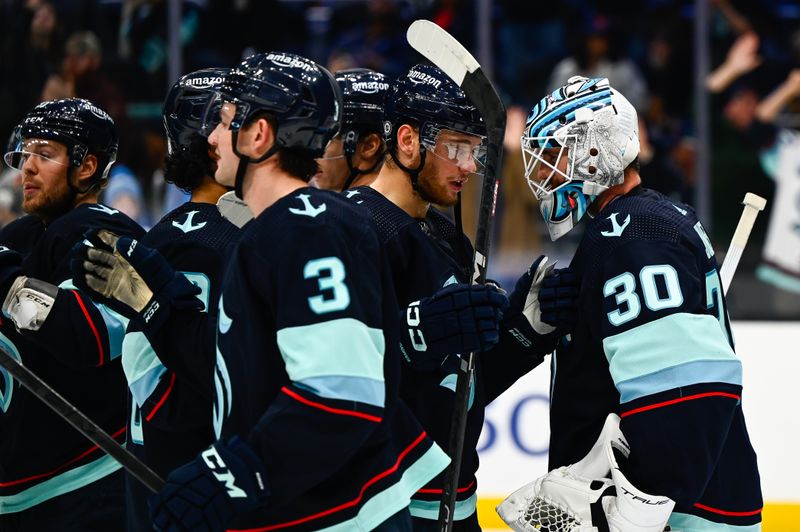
{"type": "Point", "coordinates": [225, 480]}
{"type": "Point", "coordinates": [580, 497]}
{"type": "Point", "coordinates": [457, 319]}
{"type": "Point", "coordinates": [132, 279]}
{"type": "Point", "coordinates": [10, 269]}
{"type": "Point", "coordinates": [542, 307]}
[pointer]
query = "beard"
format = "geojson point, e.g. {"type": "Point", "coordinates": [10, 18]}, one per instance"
{"type": "Point", "coordinates": [48, 205]}
{"type": "Point", "coordinates": [434, 190]}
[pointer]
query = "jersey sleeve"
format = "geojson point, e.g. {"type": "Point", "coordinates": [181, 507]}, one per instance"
{"type": "Point", "coordinates": [327, 304]}
{"type": "Point", "coordinates": [664, 335]}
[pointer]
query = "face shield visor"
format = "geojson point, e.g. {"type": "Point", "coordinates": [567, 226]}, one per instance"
{"type": "Point", "coordinates": [44, 150]}
{"type": "Point", "coordinates": [465, 150]}
{"type": "Point", "coordinates": [219, 110]}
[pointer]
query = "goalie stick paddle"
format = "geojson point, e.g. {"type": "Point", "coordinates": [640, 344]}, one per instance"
{"type": "Point", "coordinates": [77, 419]}
{"type": "Point", "coordinates": [753, 204]}
{"type": "Point", "coordinates": [444, 51]}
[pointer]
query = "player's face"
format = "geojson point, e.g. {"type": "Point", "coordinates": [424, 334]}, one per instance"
{"type": "Point", "coordinates": [221, 149]}
{"type": "Point", "coordinates": [44, 165]}
{"type": "Point", "coordinates": [333, 170]}
{"type": "Point", "coordinates": [448, 167]}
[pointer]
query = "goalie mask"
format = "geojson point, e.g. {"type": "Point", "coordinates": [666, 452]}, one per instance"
{"type": "Point", "coordinates": [76, 123]}
{"type": "Point", "coordinates": [577, 143]}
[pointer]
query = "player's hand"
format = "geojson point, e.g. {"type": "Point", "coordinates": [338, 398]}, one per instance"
{"type": "Point", "coordinates": [204, 495]}
{"type": "Point", "coordinates": [10, 269]}
{"type": "Point", "coordinates": [543, 307]}
{"type": "Point", "coordinates": [457, 319]}
{"type": "Point", "coordinates": [132, 279]}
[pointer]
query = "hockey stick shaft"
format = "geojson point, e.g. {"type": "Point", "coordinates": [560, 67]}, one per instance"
{"type": "Point", "coordinates": [753, 204]}
{"type": "Point", "coordinates": [83, 424]}
{"type": "Point", "coordinates": [450, 56]}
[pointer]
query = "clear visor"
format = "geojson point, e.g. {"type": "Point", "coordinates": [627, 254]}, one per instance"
{"type": "Point", "coordinates": [468, 152]}
{"type": "Point", "coordinates": [218, 110]}
{"type": "Point", "coordinates": [44, 151]}
{"type": "Point", "coordinates": [334, 150]}
{"type": "Point", "coordinates": [549, 163]}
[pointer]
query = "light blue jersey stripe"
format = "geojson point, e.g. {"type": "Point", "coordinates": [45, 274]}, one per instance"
{"type": "Point", "coordinates": [142, 367]}
{"type": "Point", "coordinates": [691, 523]}
{"type": "Point", "coordinates": [430, 509]}
{"type": "Point", "coordinates": [729, 371]}
{"type": "Point", "coordinates": [115, 322]}
{"type": "Point", "coordinates": [70, 480]}
{"type": "Point", "coordinates": [665, 343]}
{"type": "Point", "coordinates": [393, 499]}
{"type": "Point", "coordinates": [368, 391]}
{"type": "Point", "coordinates": [344, 354]}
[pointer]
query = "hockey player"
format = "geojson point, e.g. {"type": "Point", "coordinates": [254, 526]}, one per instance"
{"type": "Point", "coordinates": [354, 157]}
{"type": "Point", "coordinates": [435, 139]}
{"type": "Point", "coordinates": [51, 477]}
{"type": "Point", "coordinates": [311, 432]}
{"type": "Point", "coordinates": [652, 343]}
{"type": "Point", "coordinates": [169, 362]}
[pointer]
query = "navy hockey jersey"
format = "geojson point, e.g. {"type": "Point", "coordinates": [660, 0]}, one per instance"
{"type": "Point", "coordinates": [308, 369]}
{"type": "Point", "coordinates": [170, 372]}
{"type": "Point", "coordinates": [41, 455]}
{"type": "Point", "coordinates": [653, 344]}
{"type": "Point", "coordinates": [424, 256]}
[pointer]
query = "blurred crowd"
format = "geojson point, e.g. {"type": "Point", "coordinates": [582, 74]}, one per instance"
{"type": "Point", "coordinates": [115, 53]}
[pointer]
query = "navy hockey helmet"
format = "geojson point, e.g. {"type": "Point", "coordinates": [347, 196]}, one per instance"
{"type": "Point", "coordinates": [80, 125]}
{"type": "Point", "coordinates": [185, 104]}
{"type": "Point", "coordinates": [426, 97]}
{"type": "Point", "coordinates": [364, 95]}
{"type": "Point", "coordinates": [303, 97]}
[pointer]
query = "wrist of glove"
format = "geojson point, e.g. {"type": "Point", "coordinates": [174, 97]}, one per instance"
{"type": "Point", "coordinates": [580, 496]}
{"type": "Point", "coordinates": [457, 319]}
{"type": "Point", "coordinates": [225, 480]}
{"type": "Point", "coordinates": [132, 279]}
{"type": "Point", "coordinates": [10, 269]}
{"type": "Point", "coordinates": [543, 307]}
{"type": "Point", "coordinates": [29, 302]}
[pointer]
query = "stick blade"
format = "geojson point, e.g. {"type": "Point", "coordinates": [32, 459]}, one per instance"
{"type": "Point", "coordinates": [755, 201]}
{"type": "Point", "coordinates": [233, 209]}
{"type": "Point", "coordinates": [441, 49]}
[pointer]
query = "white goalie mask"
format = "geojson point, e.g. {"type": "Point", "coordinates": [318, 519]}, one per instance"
{"type": "Point", "coordinates": [577, 142]}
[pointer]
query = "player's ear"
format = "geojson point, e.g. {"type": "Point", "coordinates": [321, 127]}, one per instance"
{"type": "Point", "coordinates": [370, 146]}
{"type": "Point", "coordinates": [85, 171]}
{"type": "Point", "coordinates": [407, 142]}
{"type": "Point", "coordinates": [260, 136]}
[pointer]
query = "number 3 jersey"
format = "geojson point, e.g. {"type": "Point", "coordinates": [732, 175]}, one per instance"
{"type": "Point", "coordinates": [653, 344]}
{"type": "Point", "coordinates": [308, 371]}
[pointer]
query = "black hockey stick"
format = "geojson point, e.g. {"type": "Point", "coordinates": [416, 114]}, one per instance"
{"type": "Point", "coordinates": [77, 419]}
{"type": "Point", "coordinates": [444, 51]}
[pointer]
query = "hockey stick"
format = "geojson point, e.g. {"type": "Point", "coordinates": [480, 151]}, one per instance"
{"type": "Point", "coordinates": [77, 419]}
{"type": "Point", "coordinates": [444, 51]}
{"type": "Point", "coordinates": [752, 206]}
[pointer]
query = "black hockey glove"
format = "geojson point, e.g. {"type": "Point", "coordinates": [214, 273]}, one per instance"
{"type": "Point", "coordinates": [457, 319]}
{"type": "Point", "coordinates": [205, 494]}
{"type": "Point", "coordinates": [132, 279]}
{"type": "Point", "coordinates": [543, 307]}
{"type": "Point", "coordinates": [10, 269]}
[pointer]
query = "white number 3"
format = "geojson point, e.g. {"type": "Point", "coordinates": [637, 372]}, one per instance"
{"type": "Point", "coordinates": [333, 281]}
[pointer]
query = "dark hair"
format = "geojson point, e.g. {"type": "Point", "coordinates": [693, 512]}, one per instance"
{"type": "Point", "coordinates": [186, 169]}
{"type": "Point", "coordinates": [634, 164]}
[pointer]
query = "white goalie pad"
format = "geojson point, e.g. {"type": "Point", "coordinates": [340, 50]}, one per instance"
{"type": "Point", "coordinates": [29, 302]}
{"type": "Point", "coordinates": [578, 497]}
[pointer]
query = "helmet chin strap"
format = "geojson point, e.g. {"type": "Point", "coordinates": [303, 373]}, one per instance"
{"type": "Point", "coordinates": [350, 144]}
{"type": "Point", "coordinates": [412, 172]}
{"type": "Point", "coordinates": [244, 160]}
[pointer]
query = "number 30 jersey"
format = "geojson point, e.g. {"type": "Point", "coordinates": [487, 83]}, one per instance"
{"type": "Point", "coordinates": [308, 369]}
{"type": "Point", "coordinates": [653, 344]}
